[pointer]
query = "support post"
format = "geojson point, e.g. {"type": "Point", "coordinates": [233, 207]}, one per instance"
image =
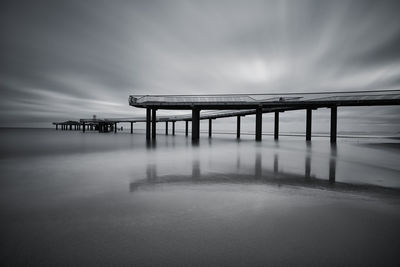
{"type": "Point", "coordinates": [258, 124]}
{"type": "Point", "coordinates": [56, 127]}
{"type": "Point", "coordinates": [308, 124]}
{"type": "Point", "coordinates": [70, 127]}
{"type": "Point", "coordinates": [115, 127]}
{"type": "Point", "coordinates": [173, 128]}
{"type": "Point", "coordinates": [83, 127]}
{"type": "Point", "coordinates": [209, 128]}
{"type": "Point", "coordinates": [195, 124]}
{"type": "Point", "coordinates": [148, 119]}
{"type": "Point", "coordinates": [153, 125]}
{"type": "Point", "coordinates": [166, 128]}
{"type": "Point", "coordinates": [238, 127]}
{"type": "Point", "coordinates": [131, 127]}
{"type": "Point", "coordinates": [276, 129]}
{"type": "Point", "coordinates": [333, 124]}
{"type": "Point", "coordinates": [186, 128]}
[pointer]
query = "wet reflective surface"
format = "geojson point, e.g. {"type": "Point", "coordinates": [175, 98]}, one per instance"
{"type": "Point", "coordinates": [71, 198]}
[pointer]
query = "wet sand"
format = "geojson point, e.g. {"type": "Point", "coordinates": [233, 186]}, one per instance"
{"type": "Point", "coordinates": [111, 200]}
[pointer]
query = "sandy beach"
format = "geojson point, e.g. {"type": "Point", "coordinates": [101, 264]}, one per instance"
{"type": "Point", "coordinates": [74, 199]}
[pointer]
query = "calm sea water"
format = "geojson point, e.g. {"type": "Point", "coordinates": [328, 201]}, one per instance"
{"type": "Point", "coordinates": [69, 198]}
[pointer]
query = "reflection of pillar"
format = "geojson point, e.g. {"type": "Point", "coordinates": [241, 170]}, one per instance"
{"type": "Point", "coordinates": [166, 128]}
{"type": "Point", "coordinates": [196, 169]}
{"type": "Point", "coordinates": [173, 128]}
{"type": "Point", "coordinates": [332, 164]}
{"type": "Point", "coordinates": [154, 121]}
{"type": "Point", "coordinates": [308, 124]}
{"type": "Point", "coordinates": [258, 123]}
{"type": "Point", "coordinates": [333, 124]}
{"type": "Point", "coordinates": [276, 130]}
{"type": "Point", "coordinates": [257, 166]}
{"type": "Point", "coordinates": [195, 124]}
{"type": "Point", "coordinates": [151, 171]}
{"type": "Point", "coordinates": [332, 170]}
{"type": "Point", "coordinates": [238, 160]}
{"type": "Point", "coordinates": [238, 127]}
{"type": "Point", "coordinates": [148, 119]}
{"type": "Point", "coordinates": [186, 128]}
{"type": "Point", "coordinates": [276, 164]}
{"type": "Point", "coordinates": [307, 173]}
{"type": "Point", "coordinates": [209, 128]}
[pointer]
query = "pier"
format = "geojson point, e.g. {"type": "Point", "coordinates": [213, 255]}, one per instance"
{"type": "Point", "coordinates": [212, 107]}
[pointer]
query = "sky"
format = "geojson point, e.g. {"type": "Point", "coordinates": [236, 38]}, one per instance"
{"type": "Point", "coordinates": [71, 59]}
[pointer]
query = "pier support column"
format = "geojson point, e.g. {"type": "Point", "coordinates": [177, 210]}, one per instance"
{"type": "Point", "coordinates": [308, 124]}
{"type": "Point", "coordinates": [154, 123]}
{"type": "Point", "coordinates": [186, 128]}
{"type": "Point", "coordinates": [56, 127]}
{"type": "Point", "coordinates": [238, 127]}
{"type": "Point", "coordinates": [115, 127]}
{"type": "Point", "coordinates": [276, 129]}
{"type": "Point", "coordinates": [173, 128]}
{"type": "Point", "coordinates": [131, 127]}
{"type": "Point", "coordinates": [195, 124]}
{"type": "Point", "coordinates": [148, 120]}
{"type": "Point", "coordinates": [70, 127]}
{"type": "Point", "coordinates": [83, 127]}
{"type": "Point", "coordinates": [209, 128]}
{"type": "Point", "coordinates": [258, 124]}
{"type": "Point", "coordinates": [166, 128]}
{"type": "Point", "coordinates": [333, 124]}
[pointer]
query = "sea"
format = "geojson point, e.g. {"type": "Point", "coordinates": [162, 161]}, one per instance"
{"type": "Point", "coordinates": [69, 198]}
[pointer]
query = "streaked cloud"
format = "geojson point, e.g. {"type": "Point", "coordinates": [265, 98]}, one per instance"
{"type": "Point", "coordinates": [72, 59]}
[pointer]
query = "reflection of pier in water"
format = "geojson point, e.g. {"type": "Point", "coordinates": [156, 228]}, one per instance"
{"type": "Point", "coordinates": [273, 176]}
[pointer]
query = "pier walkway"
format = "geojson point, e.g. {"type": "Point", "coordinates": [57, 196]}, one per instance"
{"type": "Point", "coordinates": [217, 106]}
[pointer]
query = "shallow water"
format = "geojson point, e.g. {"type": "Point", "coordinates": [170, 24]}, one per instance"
{"type": "Point", "coordinates": [69, 198]}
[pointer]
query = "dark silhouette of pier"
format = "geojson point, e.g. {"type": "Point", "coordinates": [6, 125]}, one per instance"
{"type": "Point", "coordinates": [236, 105]}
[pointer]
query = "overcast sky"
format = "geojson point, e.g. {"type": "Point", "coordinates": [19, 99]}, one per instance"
{"type": "Point", "coordinates": [71, 59]}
